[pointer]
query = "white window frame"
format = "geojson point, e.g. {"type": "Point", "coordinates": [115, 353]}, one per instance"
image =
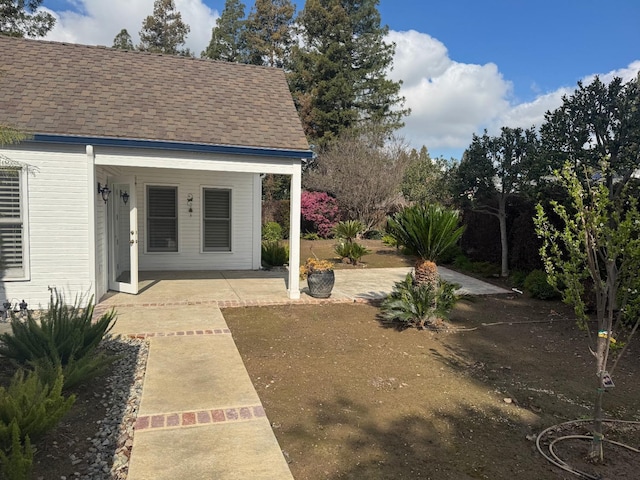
{"type": "Point", "coordinates": [202, 220]}
{"type": "Point", "coordinates": [146, 223]}
{"type": "Point", "coordinates": [24, 273]}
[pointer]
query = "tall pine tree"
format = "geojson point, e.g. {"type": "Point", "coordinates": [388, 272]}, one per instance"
{"type": "Point", "coordinates": [164, 31]}
{"type": "Point", "coordinates": [227, 42]}
{"type": "Point", "coordinates": [338, 76]}
{"type": "Point", "coordinates": [21, 18]}
{"type": "Point", "coordinates": [123, 40]}
{"type": "Point", "coordinates": [268, 32]}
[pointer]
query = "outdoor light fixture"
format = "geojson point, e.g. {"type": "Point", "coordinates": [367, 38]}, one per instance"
{"type": "Point", "coordinates": [124, 196]}
{"type": "Point", "coordinates": [104, 191]}
{"type": "Point", "coordinates": [190, 203]}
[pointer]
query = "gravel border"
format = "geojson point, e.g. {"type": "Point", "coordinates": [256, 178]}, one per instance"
{"type": "Point", "coordinates": [108, 458]}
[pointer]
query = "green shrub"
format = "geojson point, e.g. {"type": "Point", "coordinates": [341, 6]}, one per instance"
{"type": "Point", "coordinates": [274, 254]}
{"type": "Point", "coordinates": [271, 232]}
{"type": "Point", "coordinates": [462, 262]}
{"type": "Point", "coordinates": [35, 407]}
{"type": "Point", "coordinates": [418, 305]}
{"type": "Point", "coordinates": [450, 254]}
{"type": "Point", "coordinates": [348, 229]}
{"type": "Point", "coordinates": [389, 240]}
{"type": "Point", "coordinates": [64, 336]}
{"type": "Point", "coordinates": [351, 250]}
{"type": "Point", "coordinates": [485, 269]}
{"type": "Point", "coordinates": [373, 235]}
{"type": "Point", "coordinates": [517, 278]}
{"type": "Point", "coordinates": [538, 287]}
{"type": "Point", "coordinates": [16, 463]}
{"type": "Point", "coordinates": [311, 236]}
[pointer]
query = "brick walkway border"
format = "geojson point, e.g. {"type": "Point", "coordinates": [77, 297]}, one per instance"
{"type": "Point", "coordinates": [200, 417]}
{"type": "Point", "coordinates": [101, 308]}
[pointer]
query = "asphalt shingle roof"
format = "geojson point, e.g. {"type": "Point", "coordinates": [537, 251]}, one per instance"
{"type": "Point", "coordinates": [69, 89]}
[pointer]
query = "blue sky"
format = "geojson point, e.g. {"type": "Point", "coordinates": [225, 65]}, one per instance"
{"type": "Point", "coordinates": [466, 64]}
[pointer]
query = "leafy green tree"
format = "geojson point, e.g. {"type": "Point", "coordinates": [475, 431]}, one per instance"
{"type": "Point", "coordinates": [21, 18]}
{"type": "Point", "coordinates": [339, 69]}
{"type": "Point", "coordinates": [425, 180]}
{"type": "Point", "coordinates": [597, 241]}
{"type": "Point", "coordinates": [268, 32]}
{"type": "Point", "coordinates": [227, 38]}
{"type": "Point", "coordinates": [123, 40]}
{"type": "Point", "coordinates": [597, 121]}
{"type": "Point", "coordinates": [494, 170]}
{"type": "Point", "coordinates": [164, 31]}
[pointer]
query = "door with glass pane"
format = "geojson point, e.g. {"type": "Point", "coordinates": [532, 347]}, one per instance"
{"type": "Point", "coordinates": [123, 235]}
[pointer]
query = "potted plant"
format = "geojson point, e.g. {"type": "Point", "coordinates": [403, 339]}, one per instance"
{"type": "Point", "coordinates": [320, 277]}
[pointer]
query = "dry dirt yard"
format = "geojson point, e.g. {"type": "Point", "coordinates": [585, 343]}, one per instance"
{"type": "Point", "coordinates": [350, 398]}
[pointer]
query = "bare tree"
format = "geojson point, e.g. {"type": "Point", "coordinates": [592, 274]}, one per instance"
{"type": "Point", "coordinates": [363, 172]}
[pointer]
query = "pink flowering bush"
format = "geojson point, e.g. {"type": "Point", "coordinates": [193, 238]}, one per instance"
{"type": "Point", "coordinates": [321, 210]}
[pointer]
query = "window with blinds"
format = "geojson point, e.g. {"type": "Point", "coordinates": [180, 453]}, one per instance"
{"type": "Point", "coordinates": [162, 219]}
{"type": "Point", "coordinates": [216, 220]}
{"type": "Point", "coordinates": [12, 241]}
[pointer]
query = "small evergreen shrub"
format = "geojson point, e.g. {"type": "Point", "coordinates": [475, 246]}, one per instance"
{"type": "Point", "coordinates": [411, 304]}
{"type": "Point", "coordinates": [271, 232]}
{"type": "Point", "coordinates": [538, 287]}
{"type": "Point", "coordinates": [517, 278]}
{"type": "Point", "coordinates": [64, 336]}
{"type": "Point", "coordinates": [274, 254]}
{"type": "Point", "coordinates": [16, 463]}
{"type": "Point", "coordinates": [389, 241]}
{"type": "Point", "coordinates": [311, 236]}
{"type": "Point", "coordinates": [485, 269]}
{"type": "Point", "coordinates": [462, 262]}
{"type": "Point", "coordinates": [373, 235]}
{"type": "Point", "coordinates": [35, 407]}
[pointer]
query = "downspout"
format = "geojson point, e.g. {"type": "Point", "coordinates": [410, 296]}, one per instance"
{"type": "Point", "coordinates": [91, 216]}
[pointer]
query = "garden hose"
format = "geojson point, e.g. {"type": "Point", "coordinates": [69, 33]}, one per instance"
{"type": "Point", "coordinates": [553, 458]}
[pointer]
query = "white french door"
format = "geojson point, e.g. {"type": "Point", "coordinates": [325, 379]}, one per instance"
{"type": "Point", "coordinates": [123, 235]}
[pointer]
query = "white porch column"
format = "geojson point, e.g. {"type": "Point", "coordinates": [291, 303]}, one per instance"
{"type": "Point", "coordinates": [294, 231]}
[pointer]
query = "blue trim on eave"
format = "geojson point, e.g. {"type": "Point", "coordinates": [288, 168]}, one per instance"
{"type": "Point", "coordinates": [163, 145]}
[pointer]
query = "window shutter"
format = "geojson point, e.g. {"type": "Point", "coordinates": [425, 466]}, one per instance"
{"type": "Point", "coordinates": [217, 220]}
{"type": "Point", "coordinates": [162, 219]}
{"type": "Point", "coordinates": [11, 225]}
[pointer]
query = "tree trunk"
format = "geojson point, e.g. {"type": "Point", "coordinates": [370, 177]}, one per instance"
{"type": "Point", "coordinates": [596, 452]}
{"type": "Point", "coordinates": [502, 217]}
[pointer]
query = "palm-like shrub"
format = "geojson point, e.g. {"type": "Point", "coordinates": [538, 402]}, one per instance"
{"type": "Point", "coordinates": [426, 231]}
{"type": "Point", "coordinates": [351, 250]}
{"type": "Point", "coordinates": [413, 304]}
{"type": "Point", "coordinates": [348, 229]}
{"type": "Point", "coordinates": [274, 254]}
{"type": "Point", "coordinates": [64, 336]}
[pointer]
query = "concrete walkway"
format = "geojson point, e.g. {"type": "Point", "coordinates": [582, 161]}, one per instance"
{"type": "Point", "coordinates": [200, 416]}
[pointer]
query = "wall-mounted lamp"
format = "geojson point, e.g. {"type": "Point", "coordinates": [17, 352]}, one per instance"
{"type": "Point", "coordinates": [104, 190]}
{"type": "Point", "coordinates": [190, 203]}
{"type": "Point", "coordinates": [124, 196]}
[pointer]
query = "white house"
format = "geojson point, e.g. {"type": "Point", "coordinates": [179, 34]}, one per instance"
{"type": "Point", "coordinates": [137, 162]}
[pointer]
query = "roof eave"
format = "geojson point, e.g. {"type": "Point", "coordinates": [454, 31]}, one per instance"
{"type": "Point", "coordinates": [167, 145]}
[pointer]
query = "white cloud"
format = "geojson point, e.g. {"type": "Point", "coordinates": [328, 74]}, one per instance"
{"type": "Point", "coordinates": [450, 101]}
{"type": "Point", "coordinates": [100, 21]}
